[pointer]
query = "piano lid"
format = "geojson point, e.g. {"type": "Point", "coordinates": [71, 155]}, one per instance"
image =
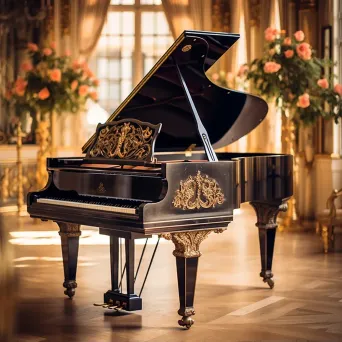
{"type": "Point", "coordinates": [226, 114]}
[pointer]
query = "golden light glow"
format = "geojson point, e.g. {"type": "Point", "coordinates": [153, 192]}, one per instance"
{"type": "Point", "coordinates": [51, 238]}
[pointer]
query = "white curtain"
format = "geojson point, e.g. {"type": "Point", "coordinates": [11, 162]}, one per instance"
{"type": "Point", "coordinates": [91, 18]}
{"type": "Point", "coordinates": [267, 136]}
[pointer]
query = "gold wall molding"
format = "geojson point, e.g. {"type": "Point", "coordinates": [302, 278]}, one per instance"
{"type": "Point", "coordinates": [9, 181]}
{"type": "Point", "coordinates": [43, 141]}
{"type": "Point", "coordinates": [65, 17]}
{"type": "Point", "coordinates": [254, 12]}
{"type": "Point", "coordinates": [221, 15]}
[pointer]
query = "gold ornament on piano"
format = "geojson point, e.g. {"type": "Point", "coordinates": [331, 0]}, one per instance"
{"type": "Point", "coordinates": [129, 140]}
{"type": "Point", "coordinates": [101, 189]}
{"type": "Point", "coordinates": [197, 192]}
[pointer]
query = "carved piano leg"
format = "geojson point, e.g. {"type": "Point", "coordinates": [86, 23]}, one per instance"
{"type": "Point", "coordinates": [70, 233]}
{"type": "Point", "coordinates": [187, 254]}
{"type": "Point", "coordinates": [267, 225]}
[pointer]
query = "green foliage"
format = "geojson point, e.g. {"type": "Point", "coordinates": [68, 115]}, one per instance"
{"type": "Point", "coordinates": [290, 73]}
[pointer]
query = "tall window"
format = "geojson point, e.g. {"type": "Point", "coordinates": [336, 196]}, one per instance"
{"type": "Point", "coordinates": [135, 35]}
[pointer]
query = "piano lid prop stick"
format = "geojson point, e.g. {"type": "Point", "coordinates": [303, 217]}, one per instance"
{"type": "Point", "coordinates": [122, 274]}
{"type": "Point", "coordinates": [149, 266]}
{"type": "Point", "coordinates": [201, 129]}
{"type": "Point", "coordinates": [141, 257]}
{"type": "Point", "coordinates": [120, 246]}
{"type": "Point", "coordinates": [136, 274]}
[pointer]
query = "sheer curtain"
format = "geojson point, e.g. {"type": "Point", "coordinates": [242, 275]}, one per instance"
{"type": "Point", "coordinates": [91, 18]}
{"type": "Point", "coordinates": [87, 18]}
{"type": "Point", "coordinates": [187, 15]}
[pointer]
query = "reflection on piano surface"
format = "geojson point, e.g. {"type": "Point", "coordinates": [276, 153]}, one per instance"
{"type": "Point", "coordinates": [152, 169]}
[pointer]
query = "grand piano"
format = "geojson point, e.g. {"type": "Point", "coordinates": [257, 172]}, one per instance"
{"type": "Point", "coordinates": [152, 169]}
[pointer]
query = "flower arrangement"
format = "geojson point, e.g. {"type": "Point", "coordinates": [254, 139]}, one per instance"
{"type": "Point", "coordinates": [290, 72]}
{"type": "Point", "coordinates": [50, 83]}
{"type": "Point", "coordinates": [231, 80]}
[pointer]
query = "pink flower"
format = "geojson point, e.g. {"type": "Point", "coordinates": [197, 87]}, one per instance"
{"type": "Point", "coordinates": [47, 51]}
{"type": "Point", "coordinates": [77, 64]}
{"type": "Point", "coordinates": [299, 35]}
{"type": "Point", "coordinates": [8, 94]}
{"type": "Point", "coordinates": [74, 85]}
{"type": "Point", "coordinates": [20, 91]}
{"type": "Point", "coordinates": [53, 45]}
{"type": "Point", "coordinates": [93, 95]}
{"type": "Point", "coordinates": [270, 34]}
{"type": "Point", "coordinates": [20, 86]}
{"type": "Point", "coordinates": [96, 82]}
{"type": "Point", "coordinates": [32, 47]}
{"type": "Point", "coordinates": [287, 41]}
{"type": "Point", "coordinates": [44, 94]}
{"type": "Point", "coordinates": [26, 66]}
{"type": "Point", "coordinates": [88, 72]}
{"type": "Point", "coordinates": [67, 53]}
{"type": "Point", "coordinates": [303, 101]}
{"type": "Point", "coordinates": [215, 76]}
{"type": "Point", "coordinates": [271, 67]}
{"type": "Point", "coordinates": [289, 53]}
{"type": "Point", "coordinates": [83, 90]}
{"type": "Point", "coordinates": [20, 82]}
{"type": "Point", "coordinates": [323, 83]}
{"type": "Point", "coordinates": [304, 51]}
{"type": "Point", "coordinates": [55, 75]}
{"type": "Point", "coordinates": [338, 89]}
{"type": "Point", "coordinates": [242, 70]}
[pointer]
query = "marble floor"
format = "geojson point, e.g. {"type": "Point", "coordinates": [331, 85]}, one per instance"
{"type": "Point", "coordinates": [232, 303]}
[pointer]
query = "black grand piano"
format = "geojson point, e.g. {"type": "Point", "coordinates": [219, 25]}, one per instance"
{"type": "Point", "coordinates": [152, 169]}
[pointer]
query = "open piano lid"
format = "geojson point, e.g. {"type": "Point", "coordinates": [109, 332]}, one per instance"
{"type": "Point", "coordinates": [227, 115]}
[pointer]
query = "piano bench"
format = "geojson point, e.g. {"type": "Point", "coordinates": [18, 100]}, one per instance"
{"type": "Point", "coordinates": [128, 302]}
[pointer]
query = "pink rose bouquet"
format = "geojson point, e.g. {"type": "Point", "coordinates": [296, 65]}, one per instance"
{"type": "Point", "coordinates": [290, 73]}
{"type": "Point", "coordinates": [49, 83]}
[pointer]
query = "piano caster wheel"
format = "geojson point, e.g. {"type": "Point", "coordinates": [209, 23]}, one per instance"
{"type": "Point", "coordinates": [70, 292]}
{"type": "Point", "coordinates": [186, 322]}
{"type": "Point", "coordinates": [270, 282]}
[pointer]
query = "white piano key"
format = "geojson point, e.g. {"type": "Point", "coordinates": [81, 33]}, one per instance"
{"type": "Point", "coordinates": [85, 205]}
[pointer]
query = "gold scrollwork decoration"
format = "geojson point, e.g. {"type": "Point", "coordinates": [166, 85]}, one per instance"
{"type": "Point", "coordinates": [69, 229]}
{"type": "Point", "coordinates": [101, 189]}
{"type": "Point", "coordinates": [132, 140]}
{"type": "Point", "coordinates": [187, 243]}
{"type": "Point", "coordinates": [197, 192]}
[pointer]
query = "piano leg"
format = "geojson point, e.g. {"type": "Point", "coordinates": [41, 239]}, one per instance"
{"type": "Point", "coordinates": [114, 298]}
{"type": "Point", "coordinates": [267, 224]}
{"type": "Point", "coordinates": [187, 254]}
{"type": "Point", "coordinates": [114, 262]}
{"type": "Point", "coordinates": [70, 233]}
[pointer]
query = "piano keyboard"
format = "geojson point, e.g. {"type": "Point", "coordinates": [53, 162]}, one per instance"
{"type": "Point", "coordinates": [124, 207]}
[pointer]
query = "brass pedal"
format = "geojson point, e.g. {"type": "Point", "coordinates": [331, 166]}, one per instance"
{"type": "Point", "coordinates": [113, 307]}
{"type": "Point", "coordinates": [99, 304]}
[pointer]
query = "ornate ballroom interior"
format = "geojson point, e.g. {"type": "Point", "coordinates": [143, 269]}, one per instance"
{"type": "Point", "coordinates": [66, 66]}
